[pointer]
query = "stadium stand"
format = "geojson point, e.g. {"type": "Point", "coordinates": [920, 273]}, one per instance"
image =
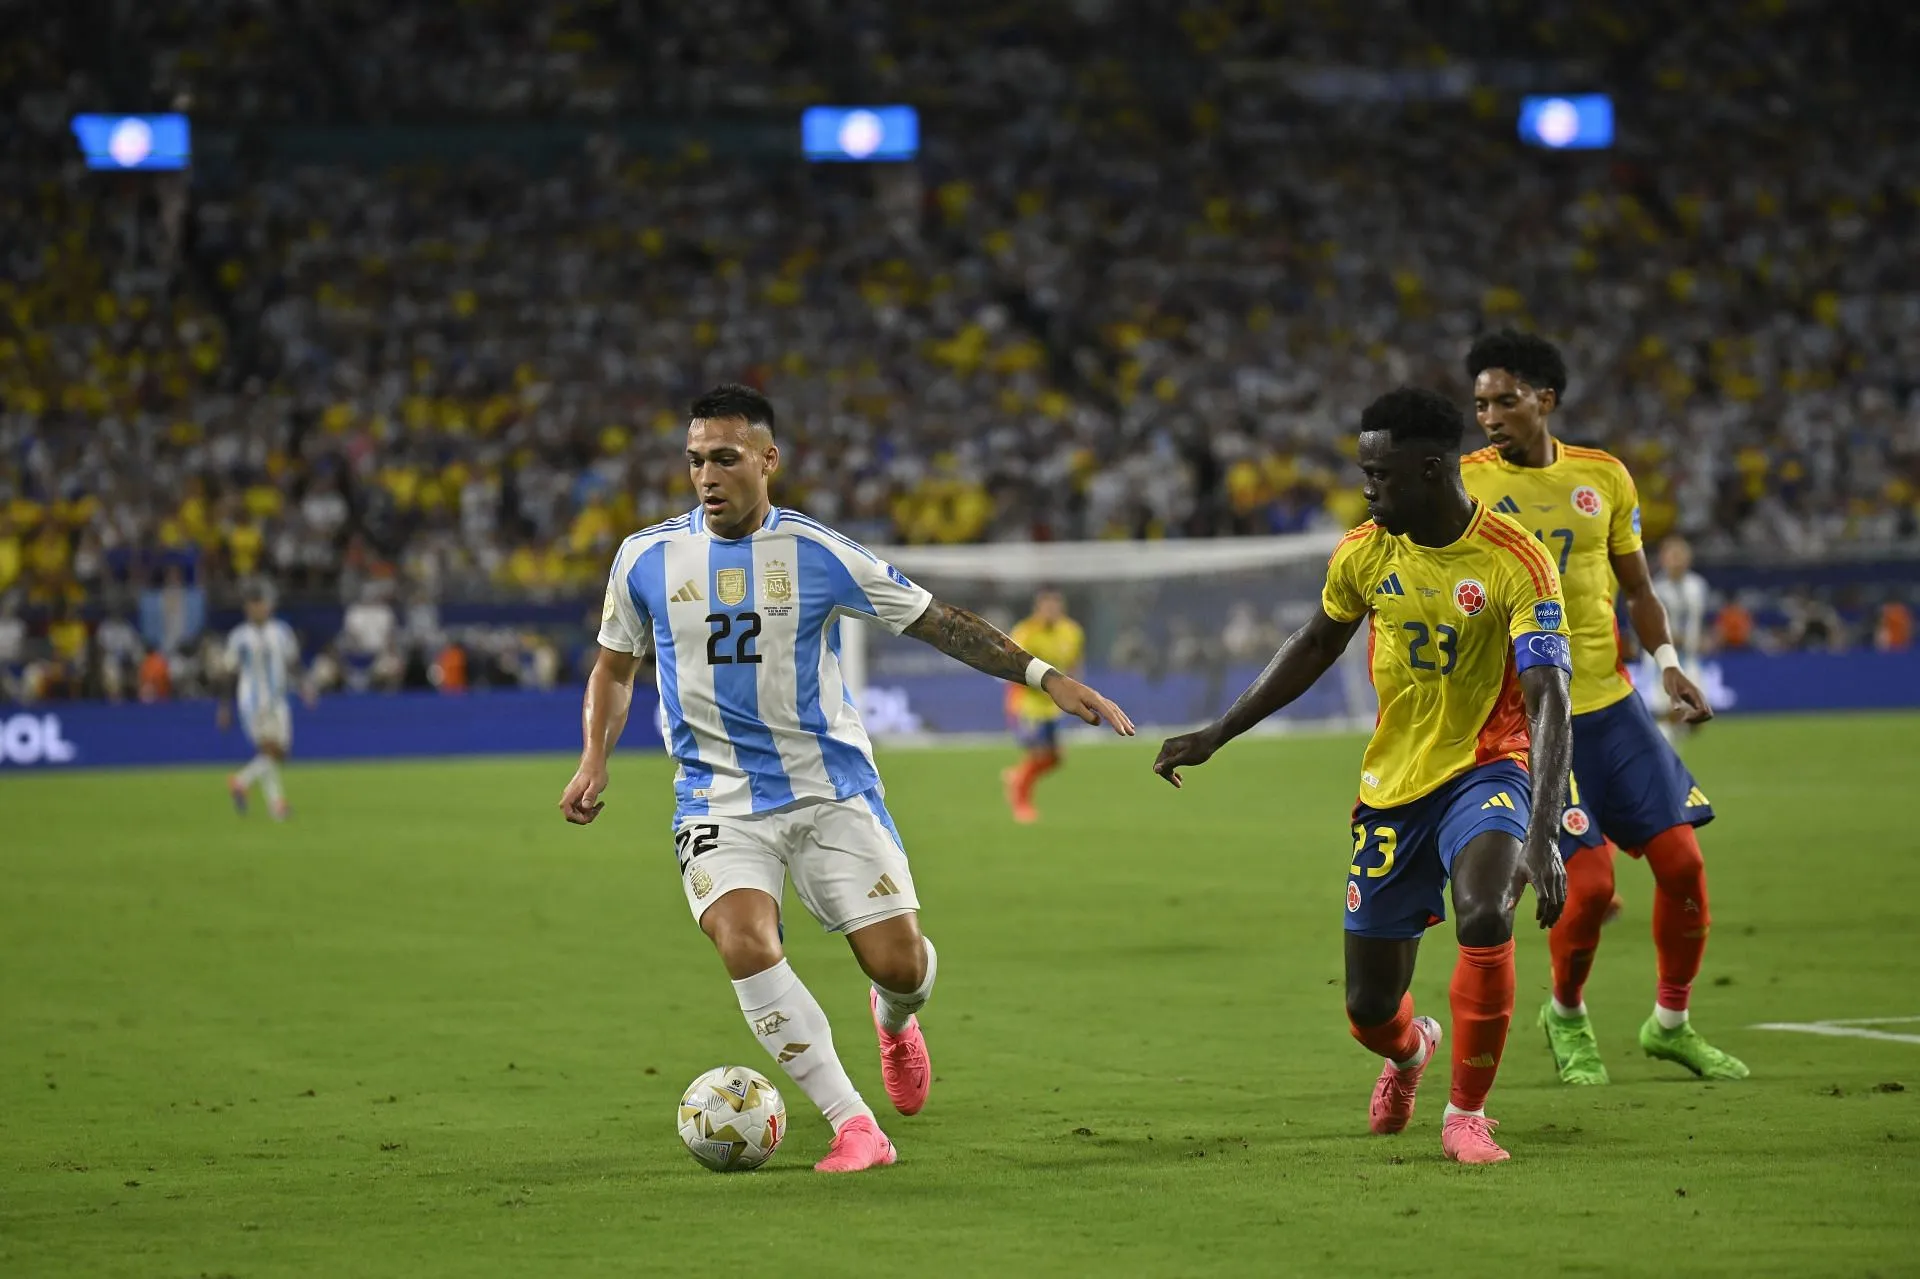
{"type": "Point", "coordinates": [1154, 259]}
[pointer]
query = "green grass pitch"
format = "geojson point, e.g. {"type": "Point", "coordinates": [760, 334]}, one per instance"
{"type": "Point", "coordinates": [428, 1029]}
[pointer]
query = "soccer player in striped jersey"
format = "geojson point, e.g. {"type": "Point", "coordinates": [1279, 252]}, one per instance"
{"type": "Point", "coordinates": [263, 663]}
{"type": "Point", "coordinates": [1629, 787]}
{"type": "Point", "coordinates": [1466, 771]}
{"type": "Point", "coordinates": [738, 600]}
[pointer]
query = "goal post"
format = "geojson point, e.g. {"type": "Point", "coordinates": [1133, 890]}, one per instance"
{"type": "Point", "coordinates": [1175, 629]}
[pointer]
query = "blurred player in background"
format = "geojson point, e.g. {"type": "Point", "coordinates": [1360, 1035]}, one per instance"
{"type": "Point", "coordinates": [1683, 593]}
{"type": "Point", "coordinates": [738, 600]}
{"type": "Point", "coordinates": [1053, 637]}
{"type": "Point", "coordinates": [263, 665]}
{"type": "Point", "coordinates": [1469, 658]}
{"type": "Point", "coordinates": [1629, 787]}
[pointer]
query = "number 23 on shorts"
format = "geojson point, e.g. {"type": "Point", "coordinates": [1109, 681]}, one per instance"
{"type": "Point", "coordinates": [1386, 840]}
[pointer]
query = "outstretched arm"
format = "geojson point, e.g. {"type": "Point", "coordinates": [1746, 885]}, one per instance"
{"type": "Point", "coordinates": [1307, 655]}
{"type": "Point", "coordinates": [1549, 717]}
{"type": "Point", "coordinates": [967, 637]}
{"type": "Point", "coordinates": [603, 717]}
{"type": "Point", "coordinates": [1649, 618]}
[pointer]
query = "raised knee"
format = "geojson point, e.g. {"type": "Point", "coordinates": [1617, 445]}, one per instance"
{"type": "Point", "coordinates": [1483, 923]}
{"type": "Point", "coordinates": [902, 968]}
{"type": "Point", "coordinates": [1371, 1007]}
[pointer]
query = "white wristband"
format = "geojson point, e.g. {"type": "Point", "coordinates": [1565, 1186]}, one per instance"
{"type": "Point", "coordinates": [1666, 658]}
{"type": "Point", "coordinates": [1037, 673]}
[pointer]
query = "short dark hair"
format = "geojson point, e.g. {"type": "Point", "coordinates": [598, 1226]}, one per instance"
{"type": "Point", "coordinates": [1414, 415]}
{"type": "Point", "coordinates": [1527, 356]}
{"type": "Point", "coordinates": [257, 590]}
{"type": "Point", "coordinates": [731, 399]}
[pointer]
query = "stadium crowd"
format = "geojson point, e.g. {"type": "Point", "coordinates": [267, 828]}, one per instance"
{"type": "Point", "coordinates": [1146, 302]}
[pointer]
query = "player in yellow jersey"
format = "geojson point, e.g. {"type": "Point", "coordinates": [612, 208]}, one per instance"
{"type": "Point", "coordinates": [1468, 652]}
{"type": "Point", "coordinates": [1629, 787]}
{"type": "Point", "coordinates": [1053, 637]}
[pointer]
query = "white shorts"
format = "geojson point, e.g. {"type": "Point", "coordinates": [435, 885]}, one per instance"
{"type": "Point", "coordinates": [269, 724]}
{"type": "Point", "coordinates": [845, 857]}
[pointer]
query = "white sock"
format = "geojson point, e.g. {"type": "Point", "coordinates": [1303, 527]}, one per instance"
{"type": "Point", "coordinates": [1420, 1058]}
{"type": "Point", "coordinates": [270, 781]}
{"type": "Point", "coordinates": [256, 766]}
{"type": "Point", "coordinates": [896, 1010]}
{"type": "Point", "coordinates": [790, 1025]}
{"type": "Point", "coordinates": [1670, 1018]}
{"type": "Point", "coordinates": [1561, 1010]}
{"type": "Point", "coordinates": [1455, 1110]}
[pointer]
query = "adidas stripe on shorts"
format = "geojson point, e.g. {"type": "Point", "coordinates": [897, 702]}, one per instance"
{"type": "Point", "coordinates": [844, 856]}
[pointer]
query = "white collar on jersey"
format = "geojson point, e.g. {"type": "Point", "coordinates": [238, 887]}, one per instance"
{"type": "Point", "coordinates": [698, 523]}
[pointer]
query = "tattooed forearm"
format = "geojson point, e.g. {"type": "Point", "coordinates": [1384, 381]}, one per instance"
{"type": "Point", "coordinates": [967, 638]}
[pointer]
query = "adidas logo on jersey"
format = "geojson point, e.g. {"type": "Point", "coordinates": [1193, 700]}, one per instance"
{"type": "Point", "coordinates": [1391, 586]}
{"type": "Point", "coordinates": [689, 593]}
{"type": "Point", "coordinates": [1502, 800]}
{"type": "Point", "coordinates": [884, 888]}
{"type": "Point", "coordinates": [1507, 506]}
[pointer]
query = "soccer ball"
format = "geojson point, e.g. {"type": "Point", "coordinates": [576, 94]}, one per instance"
{"type": "Point", "coordinates": [732, 1119]}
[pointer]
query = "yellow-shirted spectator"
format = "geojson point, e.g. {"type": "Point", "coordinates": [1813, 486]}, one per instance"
{"type": "Point", "coordinates": [12, 555]}
{"type": "Point", "coordinates": [264, 501]}
{"type": "Point", "coordinates": [67, 635]}
{"type": "Point", "coordinates": [245, 542]}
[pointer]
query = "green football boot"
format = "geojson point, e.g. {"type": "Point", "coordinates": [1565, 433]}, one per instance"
{"type": "Point", "coordinates": [1685, 1047]}
{"type": "Point", "coordinates": [1575, 1053]}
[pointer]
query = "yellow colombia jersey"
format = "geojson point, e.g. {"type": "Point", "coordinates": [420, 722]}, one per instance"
{"type": "Point", "coordinates": [1585, 510]}
{"type": "Point", "coordinates": [1063, 644]}
{"type": "Point", "coordinates": [1445, 624]}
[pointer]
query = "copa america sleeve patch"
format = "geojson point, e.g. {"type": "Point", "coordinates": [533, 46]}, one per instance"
{"type": "Point", "coordinates": [1541, 648]}
{"type": "Point", "coordinates": [1546, 615]}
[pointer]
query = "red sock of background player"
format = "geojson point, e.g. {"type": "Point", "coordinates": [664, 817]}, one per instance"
{"type": "Point", "coordinates": [1032, 769]}
{"type": "Point", "coordinates": [1396, 1039]}
{"type": "Point", "coordinates": [1482, 997]}
{"type": "Point", "coordinates": [1680, 918]}
{"type": "Point", "coordinates": [1575, 938]}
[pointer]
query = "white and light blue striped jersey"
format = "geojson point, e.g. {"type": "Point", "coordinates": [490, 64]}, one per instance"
{"type": "Point", "coordinates": [748, 654]}
{"type": "Point", "coordinates": [261, 657]}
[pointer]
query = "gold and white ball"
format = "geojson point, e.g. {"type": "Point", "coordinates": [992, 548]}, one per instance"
{"type": "Point", "coordinates": [732, 1119]}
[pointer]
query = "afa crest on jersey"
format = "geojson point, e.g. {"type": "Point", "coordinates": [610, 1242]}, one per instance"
{"type": "Point", "coordinates": [1586, 500]}
{"type": "Point", "coordinates": [1470, 595]}
{"type": "Point", "coordinates": [777, 583]}
{"type": "Point", "coordinates": [730, 585]}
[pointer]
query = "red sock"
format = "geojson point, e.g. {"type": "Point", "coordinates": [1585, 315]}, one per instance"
{"type": "Point", "coordinates": [1577, 935]}
{"type": "Point", "coordinates": [1482, 998]}
{"type": "Point", "coordinates": [1680, 918]}
{"type": "Point", "coordinates": [1396, 1040]}
{"type": "Point", "coordinates": [1031, 770]}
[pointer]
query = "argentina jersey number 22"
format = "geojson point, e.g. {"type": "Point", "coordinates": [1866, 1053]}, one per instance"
{"type": "Point", "coordinates": [744, 636]}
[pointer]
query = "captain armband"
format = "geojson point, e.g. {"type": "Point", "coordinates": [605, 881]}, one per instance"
{"type": "Point", "coordinates": [1542, 648]}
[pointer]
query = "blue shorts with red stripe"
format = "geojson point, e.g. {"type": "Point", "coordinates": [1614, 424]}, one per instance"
{"type": "Point", "coordinates": [1397, 884]}
{"type": "Point", "coordinates": [1628, 783]}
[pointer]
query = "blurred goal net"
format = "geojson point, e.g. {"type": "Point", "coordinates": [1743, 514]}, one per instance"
{"type": "Point", "coordinates": [1175, 630]}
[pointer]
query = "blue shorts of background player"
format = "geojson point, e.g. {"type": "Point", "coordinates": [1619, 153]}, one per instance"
{"type": "Point", "coordinates": [1397, 884]}
{"type": "Point", "coordinates": [1628, 783]}
{"type": "Point", "coordinates": [1038, 734]}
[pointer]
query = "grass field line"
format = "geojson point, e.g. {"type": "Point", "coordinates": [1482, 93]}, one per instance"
{"type": "Point", "coordinates": [1847, 1028]}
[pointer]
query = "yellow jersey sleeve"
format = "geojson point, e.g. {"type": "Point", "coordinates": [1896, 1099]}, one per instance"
{"type": "Point", "coordinates": [1529, 592]}
{"type": "Point", "coordinates": [1344, 597]}
{"type": "Point", "coordinates": [1623, 519]}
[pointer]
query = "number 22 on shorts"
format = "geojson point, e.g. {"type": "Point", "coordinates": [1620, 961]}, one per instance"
{"type": "Point", "coordinates": [1387, 840]}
